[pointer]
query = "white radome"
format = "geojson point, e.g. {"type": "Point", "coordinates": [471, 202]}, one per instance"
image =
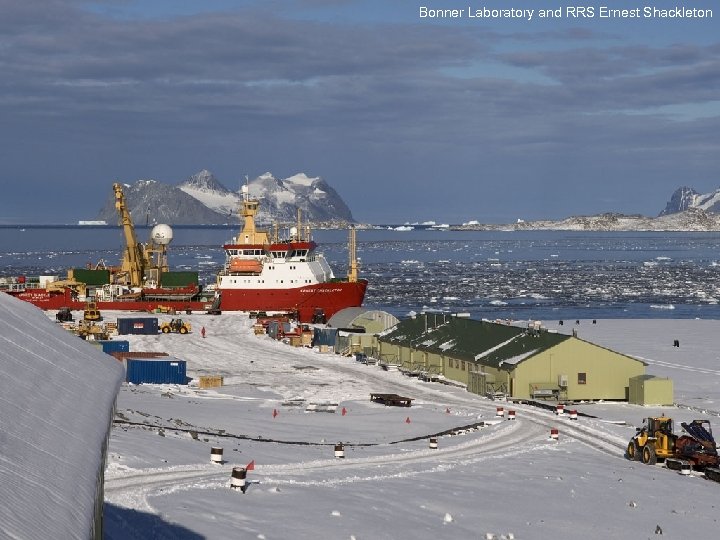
{"type": "Point", "coordinates": [161, 234]}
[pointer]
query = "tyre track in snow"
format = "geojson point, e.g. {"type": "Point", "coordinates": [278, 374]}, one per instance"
{"type": "Point", "coordinates": [528, 432]}
{"type": "Point", "coordinates": [507, 439]}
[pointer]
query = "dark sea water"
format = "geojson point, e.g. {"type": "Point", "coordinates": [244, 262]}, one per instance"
{"type": "Point", "coordinates": [518, 275]}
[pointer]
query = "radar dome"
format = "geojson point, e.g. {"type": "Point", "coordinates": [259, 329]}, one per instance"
{"type": "Point", "coordinates": [161, 234]}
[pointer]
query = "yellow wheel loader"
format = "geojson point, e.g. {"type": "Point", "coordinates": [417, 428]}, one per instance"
{"type": "Point", "coordinates": [654, 441]}
{"type": "Point", "coordinates": [175, 325]}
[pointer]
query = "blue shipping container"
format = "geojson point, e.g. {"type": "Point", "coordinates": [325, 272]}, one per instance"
{"type": "Point", "coordinates": [155, 371]}
{"type": "Point", "coordinates": [137, 325]}
{"type": "Point", "coordinates": [324, 336]}
{"type": "Point", "coordinates": [114, 345]}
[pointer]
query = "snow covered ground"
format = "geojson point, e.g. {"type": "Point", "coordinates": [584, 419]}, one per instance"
{"type": "Point", "coordinates": [504, 480]}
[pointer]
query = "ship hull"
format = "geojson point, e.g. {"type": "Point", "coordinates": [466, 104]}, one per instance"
{"type": "Point", "coordinates": [329, 297]}
{"type": "Point", "coordinates": [55, 300]}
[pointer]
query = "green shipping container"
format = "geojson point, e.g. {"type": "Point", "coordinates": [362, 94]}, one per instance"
{"type": "Point", "coordinates": [178, 279]}
{"type": "Point", "coordinates": [91, 277]}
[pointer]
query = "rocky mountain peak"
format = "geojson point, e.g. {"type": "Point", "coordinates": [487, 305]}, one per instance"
{"type": "Point", "coordinates": [682, 199]}
{"type": "Point", "coordinates": [204, 181]}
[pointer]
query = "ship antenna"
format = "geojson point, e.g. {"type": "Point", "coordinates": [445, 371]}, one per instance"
{"type": "Point", "coordinates": [246, 189]}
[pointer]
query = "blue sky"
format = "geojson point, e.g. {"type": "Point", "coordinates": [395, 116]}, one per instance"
{"type": "Point", "coordinates": [407, 118]}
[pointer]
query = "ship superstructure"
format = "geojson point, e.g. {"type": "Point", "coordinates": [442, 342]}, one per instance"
{"type": "Point", "coordinates": [265, 272]}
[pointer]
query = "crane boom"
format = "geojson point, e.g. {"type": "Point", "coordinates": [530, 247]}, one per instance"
{"type": "Point", "coordinates": [133, 259]}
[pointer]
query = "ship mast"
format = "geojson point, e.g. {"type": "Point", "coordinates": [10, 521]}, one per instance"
{"type": "Point", "coordinates": [352, 252]}
{"type": "Point", "coordinates": [248, 211]}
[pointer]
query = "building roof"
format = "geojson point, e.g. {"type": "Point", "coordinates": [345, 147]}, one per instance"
{"type": "Point", "coordinates": [484, 342]}
{"type": "Point", "coordinates": [360, 317]}
{"type": "Point", "coordinates": [56, 400]}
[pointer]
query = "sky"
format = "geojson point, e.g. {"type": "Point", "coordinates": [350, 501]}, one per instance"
{"type": "Point", "coordinates": [409, 118]}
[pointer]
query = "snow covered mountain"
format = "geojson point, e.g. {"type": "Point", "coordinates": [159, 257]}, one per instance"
{"type": "Point", "coordinates": [202, 199]}
{"type": "Point", "coordinates": [281, 198]}
{"type": "Point", "coordinates": [205, 188]}
{"type": "Point", "coordinates": [150, 201]}
{"type": "Point", "coordinates": [685, 198]}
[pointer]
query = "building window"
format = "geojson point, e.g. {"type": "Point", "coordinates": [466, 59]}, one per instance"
{"type": "Point", "coordinates": [582, 378]}
{"type": "Point", "coordinates": [463, 365]}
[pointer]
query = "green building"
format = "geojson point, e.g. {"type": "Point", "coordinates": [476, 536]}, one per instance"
{"type": "Point", "coordinates": [524, 363]}
{"type": "Point", "coordinates": [651, 390]}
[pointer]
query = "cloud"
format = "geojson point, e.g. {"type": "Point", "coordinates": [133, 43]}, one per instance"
{"type": "Point", "coordinates": [88, 94]}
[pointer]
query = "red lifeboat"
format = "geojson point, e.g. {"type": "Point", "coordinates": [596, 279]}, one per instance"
{"type": "Point", "coordinates": [245, 266]}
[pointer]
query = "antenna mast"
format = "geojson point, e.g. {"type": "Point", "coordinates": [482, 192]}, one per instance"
{"type": "Point", "coordinates": [352, 253]}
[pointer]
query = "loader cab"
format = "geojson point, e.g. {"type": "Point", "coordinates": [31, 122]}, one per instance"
{"type": "Point", "coordinates": [661, 424]}
{"type": "Point", "coordinates": [660, 430]}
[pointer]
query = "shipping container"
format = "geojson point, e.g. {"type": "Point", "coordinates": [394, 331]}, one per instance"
{"type": "Point", "coordinates": [114, 345]}
{"type": "Point", "coordinates": [90, 277]}
{"type": "Point", "coordinates": [137, 325]}
{"type": "Point", "coordinates": [179, 279]}
{"type": "Point", "coordinates": [324, 336]}
{"type": "Point", "coordinates": [166, 370]}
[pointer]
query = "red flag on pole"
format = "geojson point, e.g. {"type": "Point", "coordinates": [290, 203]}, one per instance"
{"type": "Point", "coordinates": [250, 466]}
{"type": "Point", "coordinates": [344, 411]}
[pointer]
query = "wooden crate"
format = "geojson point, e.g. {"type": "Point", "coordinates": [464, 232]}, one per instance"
{"type": "Point", "coordinates": [210, 381]}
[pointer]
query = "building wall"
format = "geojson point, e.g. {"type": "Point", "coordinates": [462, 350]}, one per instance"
{"type": "Point", "coordinates": [457, 370]}
{"type": "Point", "coordinates": [605, 373]}
{"type": "Point", "coordinates": [389, 352]}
